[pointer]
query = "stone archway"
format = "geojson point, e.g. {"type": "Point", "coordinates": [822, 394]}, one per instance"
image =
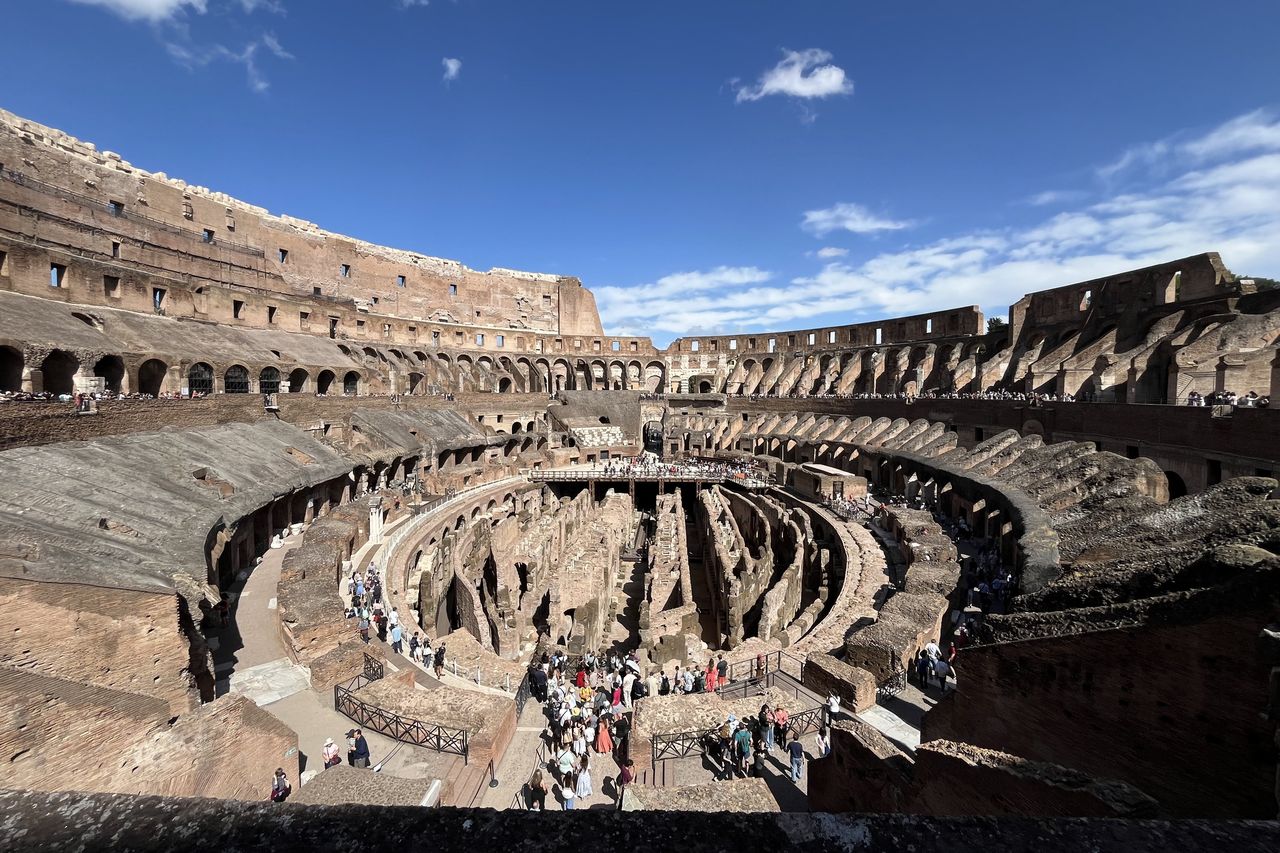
{"type": "Point", "coordinates": [11, 364]}
{"type": "Point", "coordinates": [151, 377]}
{"type": "Point", "coordinates": [59, 370]}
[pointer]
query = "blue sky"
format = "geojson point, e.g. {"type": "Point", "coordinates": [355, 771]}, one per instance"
{"type": "Point", "coordinates": [709, 166]}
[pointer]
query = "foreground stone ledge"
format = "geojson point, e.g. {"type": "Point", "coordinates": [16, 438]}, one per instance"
{"type": "Point", "coordinates": [70, 821]}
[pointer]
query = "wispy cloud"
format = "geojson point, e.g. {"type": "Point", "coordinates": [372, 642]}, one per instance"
{"type": "Point", "coordinates": [411, 4]}
{"type": "Point", "coordinates": [831, 252]}
{"type": "Point", "coordinates": [1041, 199]}
{"type": "Point", "coordinates": [452, 68]}
{"type": "Point", "coordinates": [148, 10]}
{"type": "Point", "coordinates": [853, 218]}
{"type": "Point", "coordinates": [1223, 196]}
{"type": "Point", "coordinates": [804, 74]}
{"type": "Point", "coordinates": [171, 23]}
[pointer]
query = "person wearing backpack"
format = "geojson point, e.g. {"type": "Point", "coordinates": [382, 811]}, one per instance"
{"type": "Point", "coordinates": [664, 686]}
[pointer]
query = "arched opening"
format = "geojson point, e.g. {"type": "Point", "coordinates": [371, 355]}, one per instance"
{"type": "Point", "coordinates": [704, 387]}
{"type": "Point", "coordinates": [200, 378]}
{"type": "Point", "coordinates": [1177, 486]}
{"type": "Point", "coordinates": [269, 381]}
{"type": "Point", "coordinates": [297, 381]}
{"type": "Point", "coordinates": [11, 362]}
{"type": "Point", "coordinates": [351, 383]}
{"type": "Point", "coordinates": [151, 376]}
{"type": "Point", "coordinates": [110, 368]}
{"type": "Point", "coordinates": [236, 380]}
{"type": "Point", "coordinates": [324, 381]}
{"type": "Point", "coordinates": [59, 370]}
{"type": "Point", "coordinates": [504, 386]}
{"type": "Point", "coordinates": [415, 382]}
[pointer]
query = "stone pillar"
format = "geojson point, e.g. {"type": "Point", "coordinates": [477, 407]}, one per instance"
{"type": "Point", "coordinates": [1229, 371]}
{"type": "Point", "coordinates": [375, 520]}
{"type": "Point", "coordinates": [1275, 376]}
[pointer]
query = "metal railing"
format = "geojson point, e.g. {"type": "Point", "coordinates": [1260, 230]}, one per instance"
{"type": "Point", "coordinates": [404, 729]}
{"type": "Point", "coordinates": [893, 685]}
{"type": "Point", "coordinates": [746, 670]}
{"type": "Point", "coordinates": [524, 693]}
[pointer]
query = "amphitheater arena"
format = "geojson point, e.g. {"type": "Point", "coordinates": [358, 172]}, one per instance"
{"type": "Point", "coordinates": [282, 406]}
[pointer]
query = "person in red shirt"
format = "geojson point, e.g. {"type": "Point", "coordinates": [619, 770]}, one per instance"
{"type": "Point", "coordinates": [625, 778]}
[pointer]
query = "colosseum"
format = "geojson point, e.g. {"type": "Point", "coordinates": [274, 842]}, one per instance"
{"type": "Point", "coordinates": [425, 536]}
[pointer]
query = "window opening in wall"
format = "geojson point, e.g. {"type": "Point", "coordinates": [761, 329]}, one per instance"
{"type": "Point", "coordinates": [459, 336]}
{"type": "Point", "coordinates": [791, 340]}
{"type": "Point", "coordinates": [57, 274]}
{"type": "Point", "coordinates": [231, 222]}
{"type": "Point", "coordinates": [616, 346]}
{"type": "Point", "coordinates": [187, 211]}
{"type": "Point", "coordinates": [733, 344]}
{"type": "Point", "coordinates": [499, 340]}
{"type": "Point", "coordinates": [157, 299]}
{"type": "Point", "coordinates": [360, 325]}
{"type": "Point", "coordinates": [399, 281]}
{"type": "Point", "coordinates": [695, 345]}
{"type": "Point", "coordinates": [346, 271]}
{"type": "Point", "coordinates": [208, 235]}
{"type": "Point", "coordinates": [236, 380]}
{"type": "Point", "coordinates": [116, 208]}
{"type": "Point", "coordinates": [435, 336]}
{"type": "Point", "coordinates": [831, 337]}
{"type": "Point", "coordinates": [111, 286]}
{"type": "Point", "coordinates": [812, 338]}
{"type": "Point", "coordinates": [773, 344]}
{"type": "Point", "coordinates": [479, 340]}
{"type": "Point", "coordinates": [282, 255]}
{"type": "Point", "coordinates": [333, 327]}
{"type": "Point", "coordinates": [386, 330]}
{"type": "Point", "coordinates": [928, 327]}
{"type": "Point", "coordinates": [271, 313]}
{"type": "Point", "coordinates": [315, 291]}
{"type": "Point", "coordinates": [879, 336]}
{"type": "Point", "coordinates": [237, 309]}
{"type": "Point", "coordinates": [4, 263]}
{"type": "Point", "coordinates": [1214, 473]}
{"type": "Point", "coordinates": [304, 318]}
{"type": "Point", "coordinates": [546, 300]}
{"type": "Point", "coordinates": [375, 300]}
{"type": "Point", "coordinates": [115, 248]}
{"type": "Point", "coordinates": [635, 347]}
{"type": "Point", "coordinates": [453, 290]}
{"type": "Point", "coordinates": [1086, 300]}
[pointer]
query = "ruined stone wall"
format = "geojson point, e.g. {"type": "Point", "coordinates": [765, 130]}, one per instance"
{"type": "Point", "coordinates": [668, 610]}
{"type": "Point", "coordinates": [1173, 709]}
{"type": "Point", "coordinates": [69, 735]}
{"type": "Point", "coordinates": [116, 639]}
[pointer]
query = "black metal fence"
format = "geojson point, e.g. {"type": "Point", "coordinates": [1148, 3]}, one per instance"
{"type": "Point", "coordinates": [404, 729]}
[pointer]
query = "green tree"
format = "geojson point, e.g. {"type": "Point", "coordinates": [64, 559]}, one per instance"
{"type": "Point", "coordinates": [995, 324]}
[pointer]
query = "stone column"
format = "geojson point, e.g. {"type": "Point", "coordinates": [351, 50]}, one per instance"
{"type": "Point", "coordinates": [1275, 376]}
{"type": "Point", "coordinates": [375, 520]}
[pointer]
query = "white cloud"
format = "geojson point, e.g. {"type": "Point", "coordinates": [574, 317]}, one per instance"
{"type": "Point", "coordinates": [1048, 197]}
{"type": "Point", "coordinates": [147, 10]}
{"type": "Point", "coordinates": [1224, 197]}
{"type": "Point", "coordinates": [412, 4]}
{"type": "Point", "coordinates": [853, 218]}
{"type": "Point", "coordinates": [275, 7]}
{"type": "Point", "coordinates": [800, 74]}
{"type": "Point", "coordinates": [193, 56]}
{"type": "Point", "coordinates": [452, 68]}
{"type": "Point", "coordinates": [831, 252]}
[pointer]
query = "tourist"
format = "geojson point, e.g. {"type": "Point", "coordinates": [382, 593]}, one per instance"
{"type": "Point", "coordinates": [709, 677]}
{"type": "Point", "coordinates": [439, 661]}
{"type": "Point", "coordinates": [766, 721]}
{"type": "Point", "coordinates": [651, 685]}
{"type": "Point", "coordinates": [758, 764]}
{"type": "Point", "coordinates": [414, 645]}
{"type": "Point", "coordinates": [780, 719]}
{"type": "Point", "coordinates": [363, 625]}
{"type": "Point", "coordinates": [537, 792]}
{"type": "Point", "coordinates": [722, 671]}
{"type": "Point", "coordinates": [583, 784]}
{"type": "Point", "coordinates": [941, 669]}
{"type": "Point", "coordinates": [625, 777]}
{"type": "Point", "coordinates": [331, 756]}
{"type": "Point", "coordinates": [565, 761]}
{"type": "Point", "coordinates": [604, 741]}
{"type": "Point", "coordinates": [760, 667]}
{"type": "Point", "coordinates": [742, 748]}
{"type": "Point", "coordinates": [833, 708]}
{"type": "Point", "coordinates": [796, 750]}
{"type": "Point", "coordinates": [280, 787]}
{"type": "Point", "coordinates": [351, 748]}
{"type": "Point", "coordinates": [923, 669]}
{"type": "Point", "coordinates": [567, 792]}
{"type": "Point", "coordinates": [824, 743]}
{"type": "Point", "coordinates": [362, 750]}
{"type": "Point", "coordinates": [395, 640]}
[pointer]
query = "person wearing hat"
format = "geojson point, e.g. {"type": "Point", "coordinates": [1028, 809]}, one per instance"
{"type": "Point", "coordinates": [330, 753]}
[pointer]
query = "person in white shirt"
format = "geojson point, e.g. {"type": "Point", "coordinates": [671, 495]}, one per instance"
{"type": "Point", "coordinates": [833, 707]}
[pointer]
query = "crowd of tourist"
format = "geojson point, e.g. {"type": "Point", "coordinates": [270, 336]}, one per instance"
{"type": "Point", "coordinates": [94, 396]}
{"type": "Point", "coordinates": [648, 465]}
{"type": "Point", "coordinates": [1252, 400]}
